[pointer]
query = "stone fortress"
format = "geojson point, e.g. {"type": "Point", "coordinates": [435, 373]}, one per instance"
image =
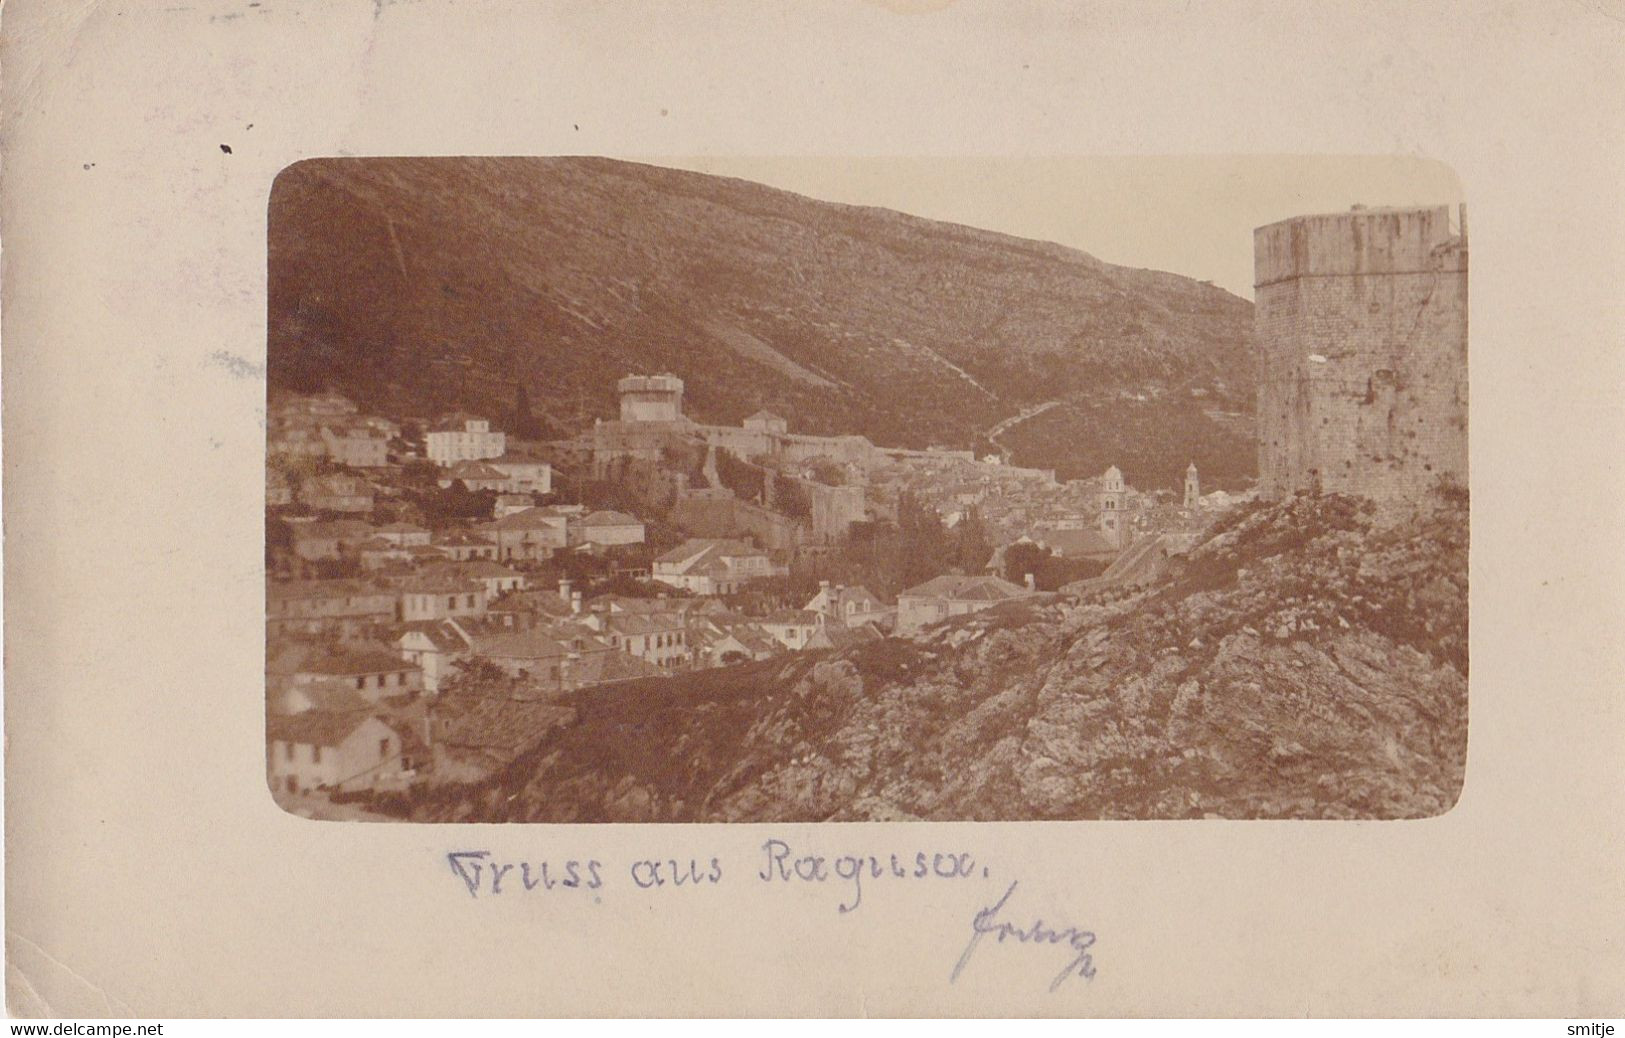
{"type": "Point", "coordinates": [1361, 329]}
{"type": "Point", "coordinates": [652, 421]}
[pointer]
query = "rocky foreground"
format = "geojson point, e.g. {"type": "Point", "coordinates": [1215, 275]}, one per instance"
{"type": "Point", "coordinates": [1307, 660]}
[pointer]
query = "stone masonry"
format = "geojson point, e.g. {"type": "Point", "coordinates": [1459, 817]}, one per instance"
{"type": "Point", "coordinates": [1361, 328]}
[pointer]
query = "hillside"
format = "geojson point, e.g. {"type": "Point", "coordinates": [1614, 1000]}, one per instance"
{"type": "Point", "coordinates": [1305, 661]}
{"type": "Point", "coordinates": [420, 285]}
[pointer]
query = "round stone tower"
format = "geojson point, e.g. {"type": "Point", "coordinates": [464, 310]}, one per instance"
{"type": "Point", "coordinates": [1360, 321]}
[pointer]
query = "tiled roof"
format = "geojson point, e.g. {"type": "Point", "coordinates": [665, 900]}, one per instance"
{"type": "Point", "coordinates": [858, 595]}
{"type": "Point", "coordinates": [474, 470]}
{"type": "Point", "coordinates": [474, 569]}
{"type": "Point", "coordinates": [641, 623]}
{"type": "Point", "coordinates": [442, 635]}
{"type": "Point", "coordinates": [333, 700]}
{"type": "Point", "coordinates": [401, 528]}
{"type": "Point", "coordinates": [337, 529]}
{"type": "Point", "coordinates": [456, 422]}
{"type": "Point", "coordinates": [490, 723]}
{"type": "Point", "coordinates": [529, 519]}
{"type": "Point", "coordinates": [439, 583]}
{"type": "Point", "coordinates": [315, 727]}
{"type": "Point", "coordinates": [1072, 543]}
{"type": "Point", "coordinates": [968, 589]}
{"type": "Point", "coordinates": [706, 552]}
{"type": "Point", "coordinates": [751, 635]}
{"type": "Point", "coordinates": [845, 637]}
{"type": "Point", "coordinates": [463, 538]}
{"type": "Point", "coordinates": [346, 588]}
{"type": "Point", "coordinates": [800, 617]}
{"type": "Point", "coordinates": [351, 662]}
{"type": "Point", "coordinates": [607, 518]}
{"type": "Point", "coordinates": [535, 643]}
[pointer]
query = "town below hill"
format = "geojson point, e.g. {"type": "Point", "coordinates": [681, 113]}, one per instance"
{"type": "Point", "coordinates": [427, 286]}
{"type": "Point", "coordinates": [437, 591]}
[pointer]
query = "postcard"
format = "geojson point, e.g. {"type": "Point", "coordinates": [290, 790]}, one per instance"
{"type": "Point", "coordinates": [835, 509]}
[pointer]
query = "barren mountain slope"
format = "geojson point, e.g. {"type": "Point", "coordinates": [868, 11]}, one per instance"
{"type": "Point", "coordinates": [422, 284]}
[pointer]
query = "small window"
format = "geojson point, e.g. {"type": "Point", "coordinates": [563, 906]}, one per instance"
{"type": "Point", "coordinates": [361, 682]}
{"type": "Point", "coordinates": [315, 754]}
{"type": "Point", "coordinates": [383, 747]}
{"type": "Point", "coordinates": [287, 751]}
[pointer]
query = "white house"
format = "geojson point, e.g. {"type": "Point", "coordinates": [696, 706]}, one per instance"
{"type": "Point", "coordinates": [461, 545]}
{"type": "Point", "coordinates": [535, 533]}
{"type": "Point", "coordinates": [792, 628]}
{"type": "Point", "coordinates": [605, 529]}
{"type": "Point", "coordinates": [523, 475]}
{"type": "Point", "coordinates": [708, 566]}
{"type": "Point", "coordinates": [342, 751]}
{"type": "Point", "coordinates": [462, 438]}
{"type": "Point", "coordinates": [439, 596]}
{"type": "Point", "coordinates": [942, 597]}
{"type": "Point", "coordinates": [434, 646]}
{"type": "Point", "coordinates": [658, 638]}
{"type": "Point", "coordinates": [852, 606]}
{"type": "Point", "coordinates": [497, 578]}
{"type": "Point", "coordinates": [473, 475]}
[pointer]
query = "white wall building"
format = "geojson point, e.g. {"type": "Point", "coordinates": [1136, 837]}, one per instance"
{"type": "Point", "coordinates": [465, 439]}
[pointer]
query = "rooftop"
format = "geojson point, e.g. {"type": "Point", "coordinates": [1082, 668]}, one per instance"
{"type": "Point", "coordinates": [315, 727]}
{"type": "Point", "coordinates": [962, 588]}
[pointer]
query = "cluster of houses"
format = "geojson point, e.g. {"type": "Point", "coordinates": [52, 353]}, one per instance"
{"type": "Point", "coordinates": [329, 427]}
{"type": "Point", "coordinates": [357, 668]}
{"type": "Point", "coordinates": [530, 534]}
{"type": "Point", "coordinates": [365, 672]}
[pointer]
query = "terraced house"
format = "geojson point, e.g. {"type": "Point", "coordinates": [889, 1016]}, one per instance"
{"type": "Point", "coordinates": [534, 534]}
{"type": "Point", "coordinates": [952, 595]}
{"type": "Point", "coordinates": [713, 567]}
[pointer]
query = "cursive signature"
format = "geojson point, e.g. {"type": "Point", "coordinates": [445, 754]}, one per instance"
{"type": "Point", "coordinates": [987, 922]}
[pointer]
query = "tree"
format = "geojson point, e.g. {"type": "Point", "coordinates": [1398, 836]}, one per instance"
{"type": "Point", "coordinates": [1023, 558]}
{"type": "Point", "coordinates": [971, 545]}
{"type": "Point", "coordinates": [827, 471]}
{"type": "Point", "coordinates": [1050, 571]}
{"type": "Point", "coordinates": [524, 425]}
{"type": "Point", "coordinates": [747, 481]}
{"type": "Point", "coordinates": [791, 498]}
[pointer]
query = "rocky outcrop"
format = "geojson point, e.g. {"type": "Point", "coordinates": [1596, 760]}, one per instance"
{"type": "Point", "coordinates": [1307, 661]}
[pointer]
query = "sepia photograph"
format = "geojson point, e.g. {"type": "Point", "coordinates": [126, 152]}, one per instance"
{"type": "Point", "coordinates": [861, 509]}
{"type": "Point", "coordinates": [603, 491]}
